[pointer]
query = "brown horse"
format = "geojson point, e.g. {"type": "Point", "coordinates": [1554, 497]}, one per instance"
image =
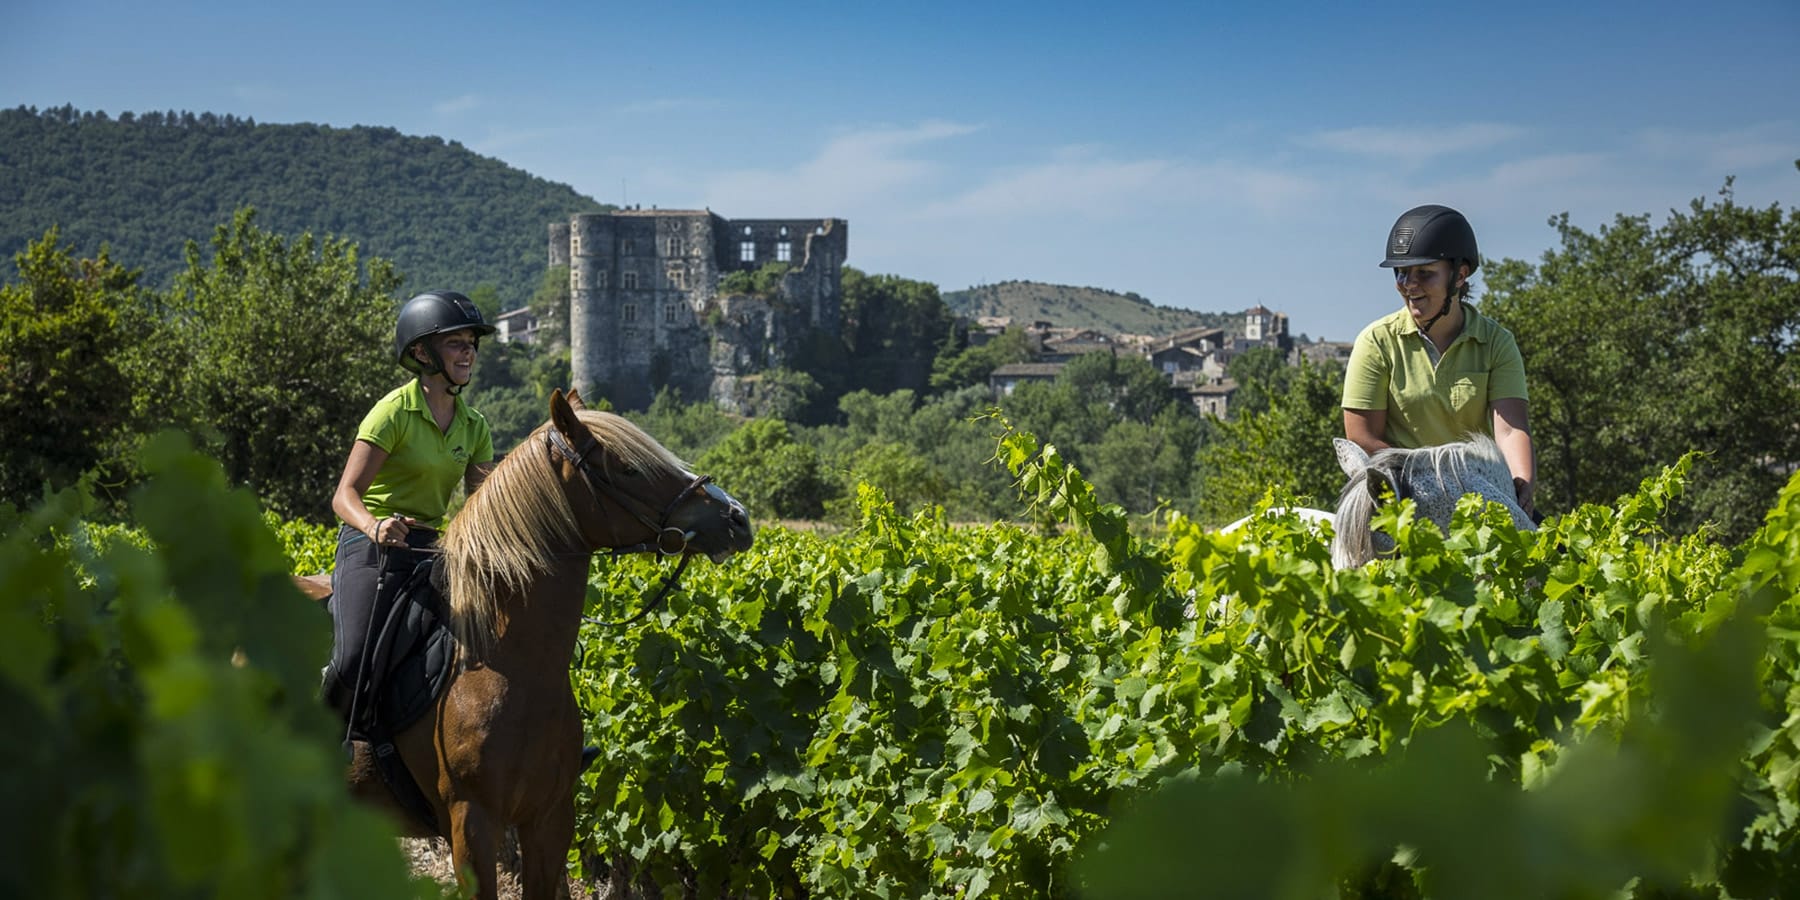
{"type": "Point", "coordinates": [502, 745]}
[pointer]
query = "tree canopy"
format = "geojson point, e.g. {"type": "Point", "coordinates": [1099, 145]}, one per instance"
{"type": "Point", "coordinates": [144, 183]}
{"type": "Point", "coordinates": [1645, 341]}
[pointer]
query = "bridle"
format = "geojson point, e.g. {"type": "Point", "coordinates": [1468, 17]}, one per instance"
{"type": "Point", "coordinates": [668, 540]}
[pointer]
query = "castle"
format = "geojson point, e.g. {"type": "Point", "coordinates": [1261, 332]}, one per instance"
{"type": "Point", "coordinates": [646, 310]}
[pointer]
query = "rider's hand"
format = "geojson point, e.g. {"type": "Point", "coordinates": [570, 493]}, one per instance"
{"type": "Point", "coordinates": [391, 531]}
{"type": "Point", "coordinates": [1523, 489]}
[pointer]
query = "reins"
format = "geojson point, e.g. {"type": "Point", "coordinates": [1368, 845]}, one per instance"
{"type": "Point", "coordinates": [668, 541]}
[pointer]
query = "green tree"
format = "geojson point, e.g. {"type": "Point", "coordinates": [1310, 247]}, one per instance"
{"type": "Point", "coordinates": [61, 395]}
{"type": "Point", "coordinates": [688, 429]}
{"type": "Point", "coordinates": [1261, 373]}
{"type": "Point", "coordinates": [959, 367]}
{"type": "Point", "coordinates": [1287, 447]}
{"type": "Point", "coordinates": [1642, 342]}
{"type": "Point", "coordinates": [761, 282]}
{"type": "Point", "coordinates": [1128, 386]}
{"type": "Point", "coordinates": [908, 481]}
{"type": "Point", "coordinates": [270, 354]}
{"type": "Point", "coordinates": [1139, 465]}
{"type": "Point", "coordinates": [894, 327]}
{"type": "Point", "coordinates": [772, 473]}
{"type": "Point", "coordinates": [551, 304]}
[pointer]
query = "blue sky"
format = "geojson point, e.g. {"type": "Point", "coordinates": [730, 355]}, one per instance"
{"type": "Point", "coordinates": [1205, 156]}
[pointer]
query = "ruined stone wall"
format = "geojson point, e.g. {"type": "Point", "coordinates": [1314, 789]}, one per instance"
{"type": "Point", "coordinates": [645, 310]}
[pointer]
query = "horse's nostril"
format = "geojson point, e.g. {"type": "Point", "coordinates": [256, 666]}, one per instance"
{"type": "Point", "coordinates": [739, 516]}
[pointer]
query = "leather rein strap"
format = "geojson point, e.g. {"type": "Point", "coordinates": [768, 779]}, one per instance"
{"type": "Point", "coordinates": [668, 540]}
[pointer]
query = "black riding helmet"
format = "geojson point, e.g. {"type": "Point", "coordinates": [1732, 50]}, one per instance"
{"type": "Point", "coordinates": [435, 312]}
{"type": "Point", "coordinates": [1426, 234]}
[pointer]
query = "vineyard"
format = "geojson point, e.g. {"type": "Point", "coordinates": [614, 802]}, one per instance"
{"type": "Point", "coordinates": [912, 709]}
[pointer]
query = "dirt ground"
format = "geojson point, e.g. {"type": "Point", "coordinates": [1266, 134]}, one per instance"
{"type": "Point", "coordinates": [431, 857]}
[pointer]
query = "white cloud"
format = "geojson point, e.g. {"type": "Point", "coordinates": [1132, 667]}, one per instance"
{"type": "Point", "coordinates": [659, 105]}
{"type": "Point", "coordinates": [1113, 188]}
{"type": "Point", "coordinates": [1726, 152]}
{"type": "Point", "coordinates": [850, 169]}
{"type": "Point", "coordinates": [1413, 145]}
{"type": "Point", "coordinates": [457, 105]}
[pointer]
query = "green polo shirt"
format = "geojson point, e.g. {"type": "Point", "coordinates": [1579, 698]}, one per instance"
{"type": "Point", "coordinates": [424, 465]}
{"type": "Point", "coordinates": [1433, 403]}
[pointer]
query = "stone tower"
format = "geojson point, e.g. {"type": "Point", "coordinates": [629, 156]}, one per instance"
{"type": "Point", "coordinates": [646, 312]}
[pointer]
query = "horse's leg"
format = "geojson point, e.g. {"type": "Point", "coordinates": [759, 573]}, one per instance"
{"type": "Point", "coordinates": [544, 852]}
{"type": "Point", "coordinates": [474, 847]}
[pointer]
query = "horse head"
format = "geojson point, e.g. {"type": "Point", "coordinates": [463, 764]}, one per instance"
{"type": "Point", "coordinates": [1434, 478]}
{"type": "Point", "coordinates": [642, 496]}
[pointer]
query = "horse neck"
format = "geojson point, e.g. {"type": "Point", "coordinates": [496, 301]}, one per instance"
{"type": "Point", "coordinates": [543, 619]}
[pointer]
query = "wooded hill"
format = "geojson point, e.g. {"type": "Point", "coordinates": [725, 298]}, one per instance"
{"type": "Point", "coordinates": [147, 183]}
{"type": "Point", "coordinates": [1082, 307]}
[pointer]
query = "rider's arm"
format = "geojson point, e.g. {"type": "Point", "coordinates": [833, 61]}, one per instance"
{"type": "Point", "coordinates": [1365, 427]}
{"type": "Point", "coordinates": [1512, 431]}
{"type": "Point", "coordinates": [360, 469]}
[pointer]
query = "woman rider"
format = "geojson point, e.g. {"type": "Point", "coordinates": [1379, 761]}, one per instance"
{"type": "Point", "coordinates": [1437, 370]}
{"type": "Point", "coordinates": [411, 451]}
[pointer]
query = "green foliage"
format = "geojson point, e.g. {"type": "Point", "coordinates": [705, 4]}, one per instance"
{"type": "Point", "coordinates": [512, 386]}
{"type": "Point", "coordinates": [1286, 446]}
{"type": "Point", "coordinates": [1643, 342]}
{"type": "Point", "coordinates": [918, 710]}
{"type": "Point", "coordinates": [61, 395]}
{"type": "Point", "coordinates": [761, 282]}
{"type": "Point", "coordinates": [768, 470]}
{"type": "Point", "coordinates": [688, 429]}
{"type": "Point", "coordinates": [145, 183]}
{"type": "Point", "coordinates": [310, 548]}
{"type": "Point", "coordinates": [163, 736]}
{"type": "Point", "coordinates": [960, 367]}
{"type": "Point", "coordinates": [894, 327]}
{"type": "Point", "coordinates": [295, 331]}
{"type": "Point", "coordinates": [1119, 417]}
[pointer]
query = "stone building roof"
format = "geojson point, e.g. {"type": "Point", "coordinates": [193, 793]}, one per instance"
{"type": "Point", "coordinates": [1027, 370]}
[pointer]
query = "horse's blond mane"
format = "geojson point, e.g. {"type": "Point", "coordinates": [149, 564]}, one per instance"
{"type": "Point", "coordinates": [518, 522]}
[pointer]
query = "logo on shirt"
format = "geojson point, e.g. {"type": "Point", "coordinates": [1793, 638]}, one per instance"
{"type": "Point", "coordinates": [459, 454]}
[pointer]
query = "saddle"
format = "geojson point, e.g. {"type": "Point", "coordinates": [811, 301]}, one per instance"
{"type": "Point", "coordinates": [408, 664]}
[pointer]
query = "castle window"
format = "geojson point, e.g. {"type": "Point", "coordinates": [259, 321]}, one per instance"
{"type": "Point", "coordinates": [600, 279]}
{"type": "Point", "coordinates": [628, 247]}
{"type": "Point", "coordinates": [669, 314]}
{"type": "Point", "coordinates": [784, 251]}
{"type": "Point", "coordinates": [673, 248]}
{"type": "Point", "coordinates": [746, 251]}
{"type": "Point", "coordinates": [574, 279]}
{"type": "Point", "coordinates": [575, 244]}
{"type": "Point", "coordinates": [746, 231]}
{"type": "Point", "coordinates": [677, 279]}
{"type": "Point", "coordinates": [628, 280]}
{"type": "Point", "coordinates": [628, 312]}
{"type": "Point", "coordinates": [784, 231]}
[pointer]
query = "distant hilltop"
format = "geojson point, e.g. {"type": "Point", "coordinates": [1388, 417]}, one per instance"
{"type": "Point", "coordinates": [1082, 308]}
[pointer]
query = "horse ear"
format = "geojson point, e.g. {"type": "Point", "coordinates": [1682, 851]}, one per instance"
{"type": "Point", "coordinates": [575, 403]}
{"type": "Point", "coordinates": [1381, 485]}
{"type": "Point", "coordinates": [562, 414]}
{"type": "Point", "coordinates": [1350, 456]}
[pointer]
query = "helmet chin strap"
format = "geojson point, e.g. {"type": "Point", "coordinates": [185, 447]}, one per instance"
{"type": "Point", "coordinates": [437, 368]}
{"type": "Point", "coordinates": [1451, 297]}
{"type": "Point", "coordinates": [1425, 329]}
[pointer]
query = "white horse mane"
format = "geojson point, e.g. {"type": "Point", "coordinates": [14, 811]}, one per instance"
{"type": "Point", "coordinates": [1433, 477]}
